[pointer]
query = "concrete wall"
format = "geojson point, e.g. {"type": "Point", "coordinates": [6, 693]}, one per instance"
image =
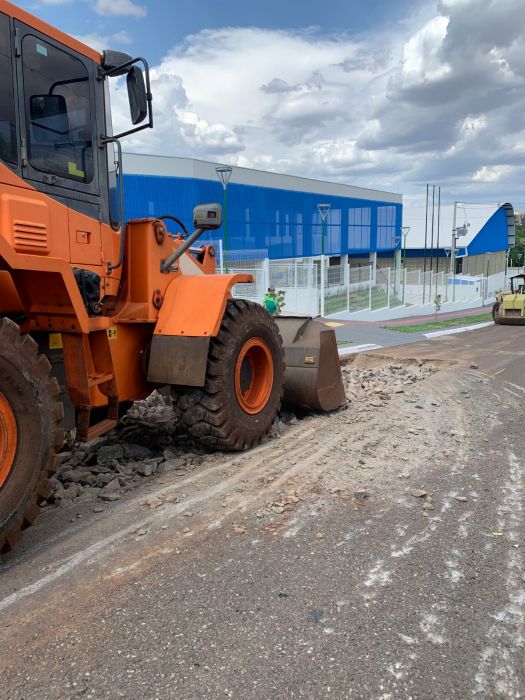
{"type": "Point", "coordinates": [486, 264]}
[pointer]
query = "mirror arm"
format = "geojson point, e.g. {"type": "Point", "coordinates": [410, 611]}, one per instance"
{"type": "Point", "coordinates": [165, 265]}
{"type": "Point", "coordinates": [149, 97]}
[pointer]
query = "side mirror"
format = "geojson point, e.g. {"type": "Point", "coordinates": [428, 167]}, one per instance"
{"type": "Point", "coordinates": [49, 112]}
{"type": "Point", "coordinates": [138, 102]}
{"type": "Point", "coordinates": [207, 216]}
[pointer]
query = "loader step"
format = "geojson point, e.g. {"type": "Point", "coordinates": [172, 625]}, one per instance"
{"type": "Point", "coordinates": [100, 378]}
{"type": "Point", "coordinates": [101, 428]}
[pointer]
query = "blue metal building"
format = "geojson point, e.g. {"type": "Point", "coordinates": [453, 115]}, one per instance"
{"type": "Point", "coordinates": [269, 215]}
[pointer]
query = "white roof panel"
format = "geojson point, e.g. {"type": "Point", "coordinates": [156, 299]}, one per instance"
{"type": "Point", "coordinates": [474, 215]}
{"type": "Point", "coordinates": [170, 166]}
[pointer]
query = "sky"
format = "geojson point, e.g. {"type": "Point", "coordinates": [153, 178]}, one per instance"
{"type": "Point", "coordinates": [381, 94]}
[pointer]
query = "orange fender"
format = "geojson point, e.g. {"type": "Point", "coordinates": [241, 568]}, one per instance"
{"type": "Point", "coordinates": [194, 304]}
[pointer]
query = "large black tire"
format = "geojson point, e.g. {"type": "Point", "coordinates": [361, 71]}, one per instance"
{"type": "Point", "coordinates": [495, 314]}
{"type": "Point", "coordinates": [29, 395]}
{"type": "Point", "coordinates": [214, 415]}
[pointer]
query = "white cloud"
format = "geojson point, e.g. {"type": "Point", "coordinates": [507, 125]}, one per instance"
{"type": "Point", "coordinates": [119, 7]}
{"type": "Point", "coordinates": [100, 42]}
{"type": "Point", "coordinates": [440, 102]}
{"type": "Point", "coordinates": [492, 173]}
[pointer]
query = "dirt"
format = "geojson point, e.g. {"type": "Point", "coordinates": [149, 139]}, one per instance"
{"type": "Point", "coordinates": [396, 422]}
{"type": "Point", "coordinates": [393, 496]}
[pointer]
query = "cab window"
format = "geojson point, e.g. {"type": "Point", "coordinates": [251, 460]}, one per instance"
{"type": "Point", "coordinates": [58, 111]}
{"type": "Point", "coordinates": [8, 148]}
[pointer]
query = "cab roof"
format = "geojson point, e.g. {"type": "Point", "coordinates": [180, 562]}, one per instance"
{"type": "Point", "coordinates": [26, 18]}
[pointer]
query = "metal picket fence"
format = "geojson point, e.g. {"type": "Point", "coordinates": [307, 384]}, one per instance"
{"type": "Point", "coordinates": [342, 289]}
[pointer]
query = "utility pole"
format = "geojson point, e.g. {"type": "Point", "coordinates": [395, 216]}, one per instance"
{"type": "Point", "coordinates": [453, 251]}
{"type": "Point", "coordinates": [405, 230]}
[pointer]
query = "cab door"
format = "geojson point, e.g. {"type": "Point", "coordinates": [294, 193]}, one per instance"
{"type": "Point", "coordinates": [59, 153]}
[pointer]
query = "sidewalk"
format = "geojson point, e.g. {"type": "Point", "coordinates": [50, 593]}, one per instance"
{"type": "Point", "coordinates": [411, 320]}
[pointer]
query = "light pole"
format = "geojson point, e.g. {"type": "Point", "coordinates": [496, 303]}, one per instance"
{"type": "Point", "coordinates": [323, 211]}
{"type": "Point", "coordinates": [224, 172]}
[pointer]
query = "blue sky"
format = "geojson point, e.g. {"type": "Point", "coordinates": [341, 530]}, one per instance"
{"type": "Point", "coordinates": [168, 23]}
{"type": "Point", "coordinates": [390, 94]}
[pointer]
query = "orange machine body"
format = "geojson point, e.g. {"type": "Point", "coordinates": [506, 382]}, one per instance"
{"type": "Point", "coordinates": [52, 227]}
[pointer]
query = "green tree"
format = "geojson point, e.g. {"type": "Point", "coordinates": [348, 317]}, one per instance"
{"type": "Point", "coordinates": [517, 253]}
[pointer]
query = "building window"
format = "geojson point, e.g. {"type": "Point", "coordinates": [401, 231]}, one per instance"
{"type": "Point", "coordinates": [8, 147]}
{"type": "Point", "coordinates": [299, 234]}
{"type": "Point", "coordinates": [386, 227]}
{"type": "Point", "coordinates": [58, 111]}
{"type": "Point", "coordinates": [359, 228]}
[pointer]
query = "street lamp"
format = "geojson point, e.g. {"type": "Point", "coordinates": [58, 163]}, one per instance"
{"type": "Point", "coordinates": [323, 211]}
{"type": "Point", "coordinates": [405, 230]}
{"type": "Point", "coordinates": [224, 173]}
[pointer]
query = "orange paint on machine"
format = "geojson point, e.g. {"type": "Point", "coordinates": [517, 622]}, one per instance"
{"type": "Point", "coordinates": [97, 311]}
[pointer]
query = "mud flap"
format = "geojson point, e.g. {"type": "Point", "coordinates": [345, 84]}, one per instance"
{"type": "Point", "coordinates": [313, 372]}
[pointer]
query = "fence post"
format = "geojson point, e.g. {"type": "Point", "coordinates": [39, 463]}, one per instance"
{"type": "Point", "coordinates": [346, 276]}
{"type": "Point", "coordinates": [266, 274]}
{"type": "Point", "coordinates": [404, 285]}
{"type": "Point", "coordinates": [388, 288]}
{"type": "Point", "coordinates": [221, 259]}
{"type": "Point", "coordinates": [370, 289]}
{"type": "Point", "coordinates": [323, 283]}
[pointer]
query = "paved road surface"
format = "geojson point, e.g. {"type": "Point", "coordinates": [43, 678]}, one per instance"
{"type": "Point", "coordinates": [384, 333]}
{"type": "Point", "coordinates": [222, 592]}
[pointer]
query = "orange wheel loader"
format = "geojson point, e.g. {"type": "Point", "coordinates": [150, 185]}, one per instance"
{"type": "Point", "coordinates": [96, 311]}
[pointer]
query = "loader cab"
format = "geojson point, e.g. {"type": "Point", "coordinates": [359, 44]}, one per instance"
{"type": "Point", "coordinates": [56, 138]}
{"type": "Point", "coordinates": [517, 284]}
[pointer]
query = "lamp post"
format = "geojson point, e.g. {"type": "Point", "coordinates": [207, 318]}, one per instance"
{"type": "Point", "coordinates": [224, 173]}
{"type": "Point", "coordinates": [323, 211]}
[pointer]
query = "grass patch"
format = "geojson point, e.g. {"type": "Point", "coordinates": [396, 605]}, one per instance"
{"type": "Point", "coordinates": [345, 342]}
{"type": "Point", "coordinates": [440, 325]}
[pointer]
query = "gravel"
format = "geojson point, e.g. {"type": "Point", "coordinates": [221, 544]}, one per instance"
{"type": "Point", "coordinates": [148, 440]}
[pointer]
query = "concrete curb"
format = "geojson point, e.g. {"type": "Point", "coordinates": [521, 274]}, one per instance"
{"type": "Point", "coordinates": [350, 350]}
{"type": "Point", "coordinates": [460, 329]}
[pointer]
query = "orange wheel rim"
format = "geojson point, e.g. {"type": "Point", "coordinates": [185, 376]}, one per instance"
{"type": "Point", "coordinates": [254, 375]}
{"type": "Point", "coordinates": [8, 439]}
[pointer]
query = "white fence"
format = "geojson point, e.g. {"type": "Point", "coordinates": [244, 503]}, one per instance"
{"type": "Point", "coordinates": [297, 279]}
{"type": "Point", "coordinates": [346, 290]}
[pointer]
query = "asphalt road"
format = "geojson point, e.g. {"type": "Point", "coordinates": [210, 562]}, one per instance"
{"type": "Point", "coordinates": [384, 596]}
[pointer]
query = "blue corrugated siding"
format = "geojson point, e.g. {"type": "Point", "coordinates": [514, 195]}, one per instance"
{"type": "Point", "coordinates": [283, 222]}
{"type": "Point", "coordinates": [493, 237]}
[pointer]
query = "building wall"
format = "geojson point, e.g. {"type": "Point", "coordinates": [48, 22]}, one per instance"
{"type": "Point", "coordinates": [483, 264]}
{"type": "Point", "coordinates": [281, 223]}
{"type": "Point", "coordinates": [486, 264]}
{"type": "Point", "coordinates": [493, 236]}
{"type": "Point", "coordinates": [436, 264]}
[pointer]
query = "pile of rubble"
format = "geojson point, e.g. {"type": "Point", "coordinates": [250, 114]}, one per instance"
{"type": "Point", "coordinates": [375, 386]}
{"type": "Point", "coordinates": [147, 441]}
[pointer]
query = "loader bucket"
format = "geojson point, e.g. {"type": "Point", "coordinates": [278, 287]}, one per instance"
{"type": "Point", "coordinates": [313, 373]}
